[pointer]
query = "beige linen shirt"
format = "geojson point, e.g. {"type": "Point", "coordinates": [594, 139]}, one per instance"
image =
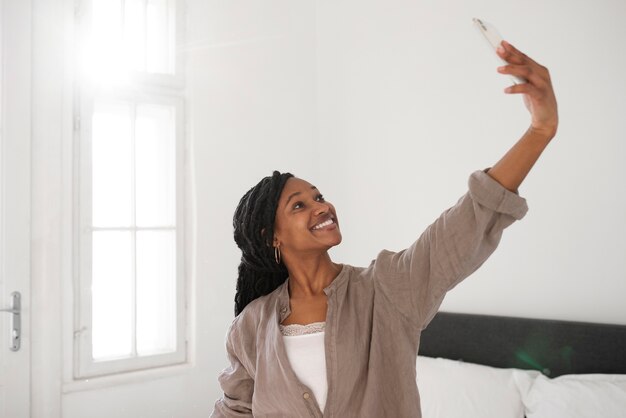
{"type": "Point", "coordinates": [373, 323]}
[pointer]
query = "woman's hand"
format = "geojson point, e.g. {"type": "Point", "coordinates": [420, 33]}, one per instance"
{"type": "Point", "coordinates": [538, 93]}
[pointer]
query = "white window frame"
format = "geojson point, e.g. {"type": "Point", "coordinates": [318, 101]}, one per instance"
{"type": "Point", "coordinates": [143, 89]}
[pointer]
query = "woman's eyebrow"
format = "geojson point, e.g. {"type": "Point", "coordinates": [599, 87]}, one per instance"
{"type": "Point", "coordinates": [295, 194]}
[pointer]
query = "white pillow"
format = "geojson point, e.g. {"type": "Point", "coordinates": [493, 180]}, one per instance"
{"type": "Point", "coordinates": [577, 396]}
{"type": "Point", "coordinates": [451, 389]}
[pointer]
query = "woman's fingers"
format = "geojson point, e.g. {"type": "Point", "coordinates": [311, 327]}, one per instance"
{"type": "Point", "coordinates": [537, 91]}
{"type": "Point", "coordinates": [513, 55]}
{"type": "Point", "coordinates": [525, 88]}
{"type": "Point", "coordinates": [510, 54]}
{"type": "Point", "coordinates": [536, 76]}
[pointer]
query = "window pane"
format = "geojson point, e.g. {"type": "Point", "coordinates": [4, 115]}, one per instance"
{"type": "Point", "coordinates": [112, 292]}
{"type": "Point", "coordinates": [131, 35]}
{"type": "Point", "coordinates": [156, 292]}
{"type": "Point", "coordinates": [159, 36]}
{"type": "Point", "coordinates": [102, 52]}
{"type": "Point", "coordinates": [155, 165]}
{"type": "Point", "coordinates": [135, 34]}
{"type": "Point", "coordinates": [112, 165]}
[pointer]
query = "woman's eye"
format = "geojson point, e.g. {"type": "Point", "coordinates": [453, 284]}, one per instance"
{"type": "Point", "coordinates": [298, 205]}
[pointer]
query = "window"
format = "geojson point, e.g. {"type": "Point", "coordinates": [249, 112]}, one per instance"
{"type": "Point", "coordinates": [130, 147]}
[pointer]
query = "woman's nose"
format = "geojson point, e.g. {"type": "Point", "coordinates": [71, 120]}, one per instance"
{"type": "Point", "coordinates": [322, 207]}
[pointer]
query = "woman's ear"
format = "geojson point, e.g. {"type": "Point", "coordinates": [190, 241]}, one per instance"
{"type": "Point", "coordinates": [264, 237]}
{"type": "Point", "coordinates": [274, 241]}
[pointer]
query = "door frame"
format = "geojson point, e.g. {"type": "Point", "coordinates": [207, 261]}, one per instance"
{"type": "Point", "coordinates": [51, 203]}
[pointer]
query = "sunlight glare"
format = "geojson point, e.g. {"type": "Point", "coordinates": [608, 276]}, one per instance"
{"type": "Point", "coordinates": [125, 38]}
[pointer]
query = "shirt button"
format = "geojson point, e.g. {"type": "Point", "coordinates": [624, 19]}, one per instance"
{"type": "Point", "coordinates": [283, 310]}
{"type": "Point", "coordinates": [306, 395]}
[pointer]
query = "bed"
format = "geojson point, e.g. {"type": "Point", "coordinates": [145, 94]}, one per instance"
{"type": "Point", "coordinates": [490, 366]}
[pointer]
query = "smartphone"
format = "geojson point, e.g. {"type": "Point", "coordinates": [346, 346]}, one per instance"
{"type": "Point", "coordinates": [494, 39]}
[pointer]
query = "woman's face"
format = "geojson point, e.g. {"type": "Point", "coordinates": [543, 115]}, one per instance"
{"type": "Point", "coordinates": [305, 221]}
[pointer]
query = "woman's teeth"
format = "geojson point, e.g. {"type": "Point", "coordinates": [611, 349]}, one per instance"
{"type": "Point", "coordinates": [323, 224]}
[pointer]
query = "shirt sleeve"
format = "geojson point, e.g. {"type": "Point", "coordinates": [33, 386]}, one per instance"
{"type": "Point", "coordinates": [415, 280]}
{"type": "Point", "coordinates": [237, 385]}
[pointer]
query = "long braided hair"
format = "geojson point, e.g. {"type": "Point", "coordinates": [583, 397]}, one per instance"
{"type": "Point", "coordinates": [259, 274]}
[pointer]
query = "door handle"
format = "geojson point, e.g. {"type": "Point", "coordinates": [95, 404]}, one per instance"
{"type": "Point", "coordinates": [16, 322]}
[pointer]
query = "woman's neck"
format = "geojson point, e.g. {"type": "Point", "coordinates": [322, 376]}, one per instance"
{"type": "Point", "coordinates": [309, 276]}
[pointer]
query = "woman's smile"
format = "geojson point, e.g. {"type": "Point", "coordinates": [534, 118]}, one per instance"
{"type": "Point", "coordinates": [326, 225]}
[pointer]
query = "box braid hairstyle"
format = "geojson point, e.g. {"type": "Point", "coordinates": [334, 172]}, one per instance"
{"type": "Point", "coordinates": [254, 218]}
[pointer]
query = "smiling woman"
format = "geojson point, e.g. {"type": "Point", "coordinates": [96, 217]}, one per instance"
{"type": "Point", "coordinates": [315, 338]}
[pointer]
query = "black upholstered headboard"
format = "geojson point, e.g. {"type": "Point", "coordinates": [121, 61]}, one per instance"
{"type": "Point", "coordinates": [552, 347]}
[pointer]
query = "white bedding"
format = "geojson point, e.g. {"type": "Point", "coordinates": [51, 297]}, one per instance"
{"type": "Point", "coordinates": [451, 389]}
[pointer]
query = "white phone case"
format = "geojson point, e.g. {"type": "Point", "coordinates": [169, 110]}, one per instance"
{"type": "Point", "coordinates": [494, 39]}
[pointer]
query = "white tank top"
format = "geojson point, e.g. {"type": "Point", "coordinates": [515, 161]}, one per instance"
{"type": "Point", "coordinates": [305, 350]}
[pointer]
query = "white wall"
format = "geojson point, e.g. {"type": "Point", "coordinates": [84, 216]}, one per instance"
{"type": "Point", "coordinates": [410, 104]}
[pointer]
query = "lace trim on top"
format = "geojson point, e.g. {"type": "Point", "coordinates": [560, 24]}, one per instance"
{"type": "Point", "coordinates": [299, 329]}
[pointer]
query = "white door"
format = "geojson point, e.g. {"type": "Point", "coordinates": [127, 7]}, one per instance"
{"type": "Point", "coordinates": [14, 206]}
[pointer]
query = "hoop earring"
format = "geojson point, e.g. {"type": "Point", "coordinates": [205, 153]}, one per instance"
{"type": "Point", "coordinates": [277, 254]}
